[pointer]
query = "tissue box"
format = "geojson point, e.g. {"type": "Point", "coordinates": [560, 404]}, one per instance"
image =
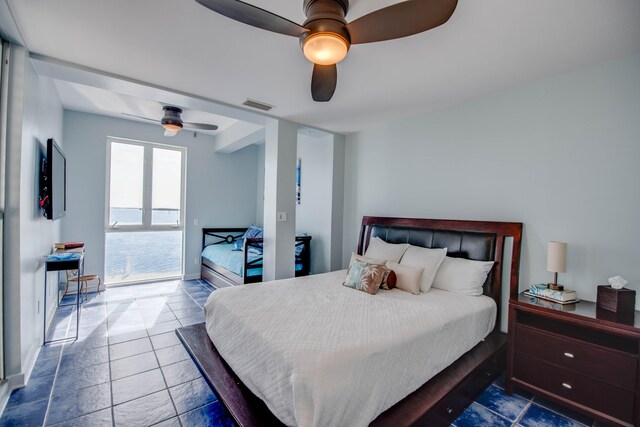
{"type": "Point", "coordinates": [616, 300]}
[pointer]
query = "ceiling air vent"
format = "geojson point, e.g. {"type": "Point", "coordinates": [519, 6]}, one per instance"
{"type": "Point", "coordinates": [256, 104]}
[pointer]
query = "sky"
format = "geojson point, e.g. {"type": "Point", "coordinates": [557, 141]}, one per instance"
{"type": "Point", "coordinates": [127, 177]}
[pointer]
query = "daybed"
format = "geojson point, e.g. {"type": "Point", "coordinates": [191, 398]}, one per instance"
{"type": "Point", "coordinates": [310, 376]}
{"type": "Point", "coordinates": [223, 265]}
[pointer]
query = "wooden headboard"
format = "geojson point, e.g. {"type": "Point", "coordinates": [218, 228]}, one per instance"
{"type": "Point", "coordinates": [477, 240]}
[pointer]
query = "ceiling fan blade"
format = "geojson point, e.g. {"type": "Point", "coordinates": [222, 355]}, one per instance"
{"type": "Point", "coordinates": [140, 117]}
{"type": "Point", "coordinates": [201, 126]}
{"type": "Point", "coordinates": [401, 20]}
{"type": "Point", "coordinates": [254, 16]}
{"type": "Point", "coordinates": [323, 82]}
{"type": "Point", "coordinates": [170, 133]}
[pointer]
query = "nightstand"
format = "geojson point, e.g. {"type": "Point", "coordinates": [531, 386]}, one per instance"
{"type": "Point", "coordinates": [578, 355]}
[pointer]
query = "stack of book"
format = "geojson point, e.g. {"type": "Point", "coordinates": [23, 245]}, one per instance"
{"type": "Point", "coordinates": [561, 297]}
{"type": "Point", "coordinates": [69, 245]}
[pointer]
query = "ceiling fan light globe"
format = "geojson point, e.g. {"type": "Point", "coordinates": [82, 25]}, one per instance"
{"type": "Point", "coordinates": [172, 127]}
{"type": "Point", "coordinates": [325, 48]}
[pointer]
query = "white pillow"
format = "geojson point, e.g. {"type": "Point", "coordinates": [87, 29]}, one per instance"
{"type": "Point", "coordinates": [462, 276]}
{"type": "Point", "coordinates": [407, 278]}
{"type": "Point", "coordinates": [429, 259]}
{"type": "Point", "coordinates": [356, 257]}
{"type": "Point", "coordinates": [380, 249]}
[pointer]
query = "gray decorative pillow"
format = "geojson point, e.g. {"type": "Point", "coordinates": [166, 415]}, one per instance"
{"type": "Point", "coordinates": [364, 277]}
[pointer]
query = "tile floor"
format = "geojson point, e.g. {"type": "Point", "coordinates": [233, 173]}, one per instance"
{"type": "Point", "coordinates": [129, 369]}
{"type": "Point", "coordinates": [495, 408]}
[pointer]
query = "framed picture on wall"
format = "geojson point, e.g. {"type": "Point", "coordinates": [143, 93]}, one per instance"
{"type": "Point", "coordinates": [298, 163]}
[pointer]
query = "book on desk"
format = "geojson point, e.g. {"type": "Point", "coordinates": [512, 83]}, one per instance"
{"type": "Point", "coordinates": [68, 245]}
{"type": "Point", "coordinates": [558, 296]}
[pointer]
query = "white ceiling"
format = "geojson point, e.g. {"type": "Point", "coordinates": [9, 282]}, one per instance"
{"type": "Point", "coordinates": [79, 97]}
{"type": "Point", "coordinates": [487, 45]}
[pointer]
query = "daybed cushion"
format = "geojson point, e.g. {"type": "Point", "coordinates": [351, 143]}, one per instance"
{"type": "Point", "coordinates": [320, 354]}
{"type": "Point", "coordinates": [252, 231]}
{"type": "Point", "coordinates": [225, 256]}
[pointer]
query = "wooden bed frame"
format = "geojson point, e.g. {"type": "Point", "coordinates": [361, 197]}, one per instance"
{"type": "Point", "coordinates": [220, 277]}
{"type": "Point", "coordinates": [436, 403]}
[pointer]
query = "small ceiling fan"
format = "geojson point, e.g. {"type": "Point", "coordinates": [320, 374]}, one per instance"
{"type": "Point", "coordinates": [172, 122]}
{"type": "Point", "coordinates": [325, 37]}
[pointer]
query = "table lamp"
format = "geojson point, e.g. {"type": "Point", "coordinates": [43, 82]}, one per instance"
{"type": "Point", "coordinates": [556, 262]}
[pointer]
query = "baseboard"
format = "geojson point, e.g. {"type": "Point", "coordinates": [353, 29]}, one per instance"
{"type": "Point", "coordinates": [191, 276]}
{"type": "Point", "coordinates": [5, 392]}
{"type": "Point", "coordinates": [20, 380]}
{"type": "Point", "coordinates": [30, 362]}
{"type": "Point", "coordinates": [93, 287]}
{"type": "Point", "coordinates": [7, 386]}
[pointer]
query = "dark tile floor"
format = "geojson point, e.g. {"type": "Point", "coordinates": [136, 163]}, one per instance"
{"type": "Point", "coordinates": [129, 369]}
{"type": "Point", "coordinates": [495, 408]}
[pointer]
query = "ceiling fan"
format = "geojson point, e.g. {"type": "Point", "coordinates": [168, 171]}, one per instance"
{"type": "Point", "coordinates": [172, 122]}
{"type": "Point", "coordinates": [326, 36]}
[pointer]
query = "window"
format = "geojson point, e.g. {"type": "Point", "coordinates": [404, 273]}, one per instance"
{"type": "Point", "coordinates": [145, 216]}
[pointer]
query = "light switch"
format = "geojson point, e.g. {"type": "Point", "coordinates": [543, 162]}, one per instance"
{"type": "Point", "coordinates": [195, 221]}
{"type": "Point", "coordinates": [282, 216]}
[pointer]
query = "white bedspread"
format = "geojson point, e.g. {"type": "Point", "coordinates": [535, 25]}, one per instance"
{"type": "Point", "coordinates": [320, 354]}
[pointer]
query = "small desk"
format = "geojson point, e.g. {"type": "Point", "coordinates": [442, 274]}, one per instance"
{"type": "Point", "coordinates": [63, 265]}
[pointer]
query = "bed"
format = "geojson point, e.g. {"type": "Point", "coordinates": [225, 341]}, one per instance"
{"type": "Point", "coordinates": [223, 265]}
{"type": "Point", "coordinates": [301, 375]}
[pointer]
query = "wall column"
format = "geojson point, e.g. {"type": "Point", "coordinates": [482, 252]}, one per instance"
{"type": "Point", "coordinates": [279, 197]}
{"type": "Point", "coordinates": [337, 201]}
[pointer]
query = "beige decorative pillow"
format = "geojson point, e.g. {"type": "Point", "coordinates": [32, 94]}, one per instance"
{"type": "Point", "coordinates": [364, 277]}
{"type": "Point", "coordinates": [356, 257]}
{"type": "Point", "coordinates": [427, 258]}
{"type": "Point", "coordinates": [380, 249]}
{"type": "Point", "coordinates": [407, 278]}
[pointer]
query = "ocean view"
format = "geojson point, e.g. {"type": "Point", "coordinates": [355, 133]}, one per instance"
{"type": "Point", "coordinates": [141, 255]}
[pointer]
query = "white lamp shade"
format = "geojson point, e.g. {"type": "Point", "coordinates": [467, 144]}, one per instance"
{"type": "Point", "coordinates": [557, 257]}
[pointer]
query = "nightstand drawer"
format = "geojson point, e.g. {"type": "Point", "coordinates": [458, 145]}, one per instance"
{"type": "Point", "coordinates": [584, 358]}
{"type": "Point", "coordinates": [575, 387]}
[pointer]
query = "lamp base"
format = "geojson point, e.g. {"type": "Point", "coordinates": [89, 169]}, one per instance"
{"type": "Point", "coordinates": [555, 287]}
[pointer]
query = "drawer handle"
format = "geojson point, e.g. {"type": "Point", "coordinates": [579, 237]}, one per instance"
{"type": "Point", "coordinates": [569, 355]}
{"type": "Point", "coordinates": [567, 386]}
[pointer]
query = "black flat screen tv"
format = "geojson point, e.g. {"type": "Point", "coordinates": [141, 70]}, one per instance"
{"type": "Point", "coordinates": [54, 184]}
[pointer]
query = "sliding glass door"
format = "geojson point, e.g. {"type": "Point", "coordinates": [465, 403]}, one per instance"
{"type": "Point", "coordinates": [144, 221]}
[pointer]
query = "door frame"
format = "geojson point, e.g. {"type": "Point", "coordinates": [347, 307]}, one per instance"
{"type": "Point", "coordinates": [4, 105]}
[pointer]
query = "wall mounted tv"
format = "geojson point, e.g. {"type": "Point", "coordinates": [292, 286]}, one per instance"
{"type": "Point", "coordinates": [53, 197]}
